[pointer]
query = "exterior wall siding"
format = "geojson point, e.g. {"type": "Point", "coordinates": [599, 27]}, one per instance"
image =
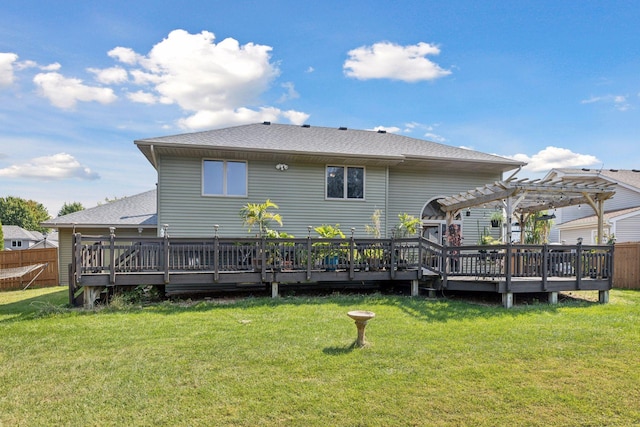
{"type": "Point", "coordinates": [299, 192]}
{"type": "Point", "coordinates": [628, 229]}
{"type": "Point", "coordinates": [623, 199]}
{"type": "Point", "coordinates": [411, 190]}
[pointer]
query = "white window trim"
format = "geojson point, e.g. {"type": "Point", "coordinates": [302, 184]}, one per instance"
{"type": "Point", "coordinates": [344, 190]}
{"type": "Point", "coordinates": [224, 179]}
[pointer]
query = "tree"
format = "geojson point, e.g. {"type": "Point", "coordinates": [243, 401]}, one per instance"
{"type": "Point", "coordinates": [72, 207]}
{"type": "Point", "coordinates": [258, 214]}
{"type": "Point", "coordinates": [27, 214]}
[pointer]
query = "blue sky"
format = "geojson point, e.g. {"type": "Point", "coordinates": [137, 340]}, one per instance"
{"type": "Point", "coordinates": [552, 83]}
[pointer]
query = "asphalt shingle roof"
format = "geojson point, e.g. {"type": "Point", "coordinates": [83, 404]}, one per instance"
{"type": "Point", "coordinates": [324, 141]}
{"type": "Point", "coordinates": [14, 232]}
{"type": "Point", "coordinates": [623, 176]}
{"type": "Point", "coordinates": [137, 210]}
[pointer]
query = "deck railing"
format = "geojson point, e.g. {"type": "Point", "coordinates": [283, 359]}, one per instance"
{"type": "Point", "coordinates": [115, 255]}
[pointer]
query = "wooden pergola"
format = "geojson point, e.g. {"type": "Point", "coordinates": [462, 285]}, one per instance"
{"type": "Point", "coordinates": [524, 197]}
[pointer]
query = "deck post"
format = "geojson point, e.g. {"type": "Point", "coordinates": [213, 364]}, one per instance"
{"type": "Point", "coordinates": [309, 253]}
{"type": "Point", "coordinates": [444, 266]}
{"type": "Point", "coordinates": [415, 291]}
{"type": "Point", "coordinates": [90, 295]}
{"type": "Point", "coordinates": [507, 299]}
{"type": "Point", "coordinates": [352, 252]}
{"type": "Point", "coordinates": [579, 264]}
{"type": "Point", "coordinates": [393, 257]}
{"type": "Point", "coordinates": [553, 298]}
{"type": "Point", "coordinates": [216, 258]}
{"type": "Point", "coordinates": [603, 297]}
{"type": "Point", "coordinates": [545, 265]}
{"type": "Point", "coordinates": [112, 267]}
{"type": "Point", "coordinates": [165, 230]}
{"type": "Point", "coordinates": [274, 290]}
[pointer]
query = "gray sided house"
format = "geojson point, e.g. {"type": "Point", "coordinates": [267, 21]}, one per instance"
{"type": "Point", "coordinates": [17, 238]}
{"type": "Point", "coordinates": [622, 212]}
{"type": "Point", "coordinates": [131, 216]}
{"type": "Point", "coordinates": [317, 175]}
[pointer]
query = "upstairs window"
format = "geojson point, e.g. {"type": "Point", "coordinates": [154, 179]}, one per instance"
{"type": "Point", "coordinates": [345, 182]}
{"type": "Point", "coordinates": [224, 178]}
{"type": "Point", "coordinates": [16, 243]}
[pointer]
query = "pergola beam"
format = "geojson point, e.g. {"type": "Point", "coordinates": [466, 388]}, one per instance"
{"type": "Point", "coordinates": [529, 196]}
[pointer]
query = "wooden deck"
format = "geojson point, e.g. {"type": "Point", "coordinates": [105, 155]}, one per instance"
{"type": "Point", "coordinates": [199, 265]}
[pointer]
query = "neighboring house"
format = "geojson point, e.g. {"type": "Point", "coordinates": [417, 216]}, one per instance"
{"type": "Point", "coordinates": [317, 175]}
{"type": "Point", "coordinates": [131, 216]}
{"type": "Point", "coordinates": [622, 212]}
{"type": "Point", "coordinates": [17, 238]}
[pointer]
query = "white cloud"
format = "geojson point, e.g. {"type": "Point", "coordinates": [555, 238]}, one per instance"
{"type": "Point", "coordinates": [56, 167]}
{"type": "Point", "coordinates": [112, 75]}
{"type": "Point", "coordinates": [65, 92]}
{"type": "Point", "coordinates": [390, 129]}
{"type": "Point", "coordinates": [142, 97]}
{"type": "Point", "coordinates": [554, 157]}
{"type": "Point", "coordinates": [124, 55]}
{"type": "Point", "coordinates": [387, 60]}
{"type": "Point", "coordinates": [51, 67]}
{"type": "Point", "coordinates": [290, 92]}
{"type": "Point", "coordinates": [6, 68]}
{"type": "Point", "coordinates": [310, 70]}
{"type": "Point", "coordinates": [217, 83]}
{"type": "Point", "coordinates": [201, 75]}
{"type": "Point", "coordinates": [206, 119]}
{"type": "Point", "coordinates": [295, 117]}
{"type": "Point", "coordinates": [619, 102]}
{"type": "Point", "coordinates": [435, 137]}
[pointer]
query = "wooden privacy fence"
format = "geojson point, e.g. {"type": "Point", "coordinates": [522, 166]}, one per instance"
{"type": "Point", "coordinates": [17, 261]}
{"type": "Point", "coordinates": [627, 266]}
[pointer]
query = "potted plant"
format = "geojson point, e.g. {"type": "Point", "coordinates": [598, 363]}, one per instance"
{"type": "Point", "coordinates": [259, 214]}
{"type": "Point", "coordinates": [496, 219]}
{"type": "Point", "coordinates": [327, 253]}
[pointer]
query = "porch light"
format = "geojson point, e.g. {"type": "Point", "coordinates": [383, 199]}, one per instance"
{"type": "Point", "coordinates": [282, 166]}
{"type": "Point", "coordinates": [112, 231]}
{"type": "Point", "coordinates": [215, 229]}
{"type": "Point", "coordinates": [579, 240]}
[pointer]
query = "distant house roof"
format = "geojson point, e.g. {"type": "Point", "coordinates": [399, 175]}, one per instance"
{"type": "Point", "coordinates": [14, 232]}
{"type": "Point", "coordinates": [313, 143]}
{"type": "Point", "coordinates": [139, 210]}
{"type": "Point", "coordinates": [625, 177]}
{"type": "Point", "coordinates": [593, 219]}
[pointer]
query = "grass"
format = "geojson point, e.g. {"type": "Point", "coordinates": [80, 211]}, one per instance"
{"type": "Point", "coordinates": [258, 361]}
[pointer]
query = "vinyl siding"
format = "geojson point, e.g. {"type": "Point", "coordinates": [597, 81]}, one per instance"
{"type": "Point", "coordinates": [628, 229]}
{"type": "Point", "coordinates": [623, 199]}
{"type": "Point", "coordinates": [411, 190]}
{"type": "Point", "coordinates": [299, 192]}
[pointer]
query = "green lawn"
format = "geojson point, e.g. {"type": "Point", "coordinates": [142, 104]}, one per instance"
{"type": "Point", "coordinates": [290, 361]}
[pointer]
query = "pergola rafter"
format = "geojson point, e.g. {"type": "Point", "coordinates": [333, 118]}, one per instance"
{"type": "Point", "coordinates": [525, 196]}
